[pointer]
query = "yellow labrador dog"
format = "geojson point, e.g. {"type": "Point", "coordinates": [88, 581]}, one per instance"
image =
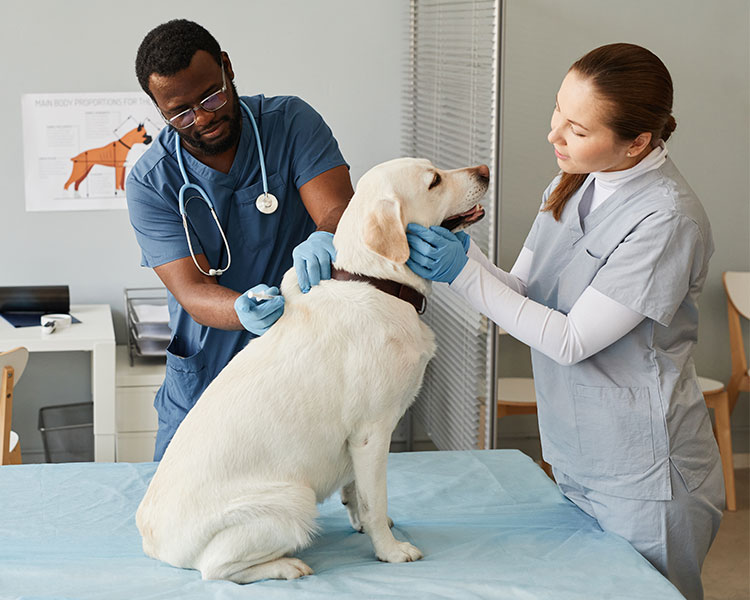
{"type": "Point", "coordinates": [309, 407]}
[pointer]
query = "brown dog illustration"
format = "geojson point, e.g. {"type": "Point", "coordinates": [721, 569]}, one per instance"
{"type": "Point", "coordinates": [110, 155]}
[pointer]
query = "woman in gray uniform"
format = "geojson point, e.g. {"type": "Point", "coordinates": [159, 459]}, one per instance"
{"type": "Point", "coordinates": [605, 293]}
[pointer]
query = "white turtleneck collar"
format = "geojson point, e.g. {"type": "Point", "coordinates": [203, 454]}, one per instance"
{"type": "Point", "coordinates": [654, 160]}
{"type": "Point", "coordinates": [605, 183]}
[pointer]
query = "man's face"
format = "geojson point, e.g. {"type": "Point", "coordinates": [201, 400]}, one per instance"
{"type": "Point", "coordinates": [213, 132]}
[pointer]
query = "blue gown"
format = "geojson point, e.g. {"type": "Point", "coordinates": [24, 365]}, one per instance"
{"type": "Point", "coordinates": [298, 146]}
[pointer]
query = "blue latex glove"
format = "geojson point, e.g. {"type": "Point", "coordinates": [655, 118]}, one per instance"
{"type": "Point", "coordinates": [435, 253]}
{"type": "Point", "coordinates": [313, 258]}
{"type": "Point", "coordinates": [256, 315]}
{"type": "Point", "coordinates": [464, 239]}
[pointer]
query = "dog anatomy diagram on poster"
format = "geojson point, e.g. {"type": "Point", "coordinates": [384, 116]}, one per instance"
{"type": "Point", "coordinates": [79, 148]}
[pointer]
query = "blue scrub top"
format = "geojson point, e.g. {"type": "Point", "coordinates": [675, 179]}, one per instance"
{"type": "Point", "coordinates": [615, 421]}
{"type": "Point", "coordinates": [298, 146]}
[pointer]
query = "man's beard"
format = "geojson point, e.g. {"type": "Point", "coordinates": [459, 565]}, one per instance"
{"type": "Point", "coordinates": [221, 145]}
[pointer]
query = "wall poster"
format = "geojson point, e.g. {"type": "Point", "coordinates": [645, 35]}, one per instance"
{"type": "Point", "coordinates": [79, 148]}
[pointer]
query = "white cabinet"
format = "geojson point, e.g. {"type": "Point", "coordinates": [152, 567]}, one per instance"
{"type": "Point", "coordinates": [136, 421]}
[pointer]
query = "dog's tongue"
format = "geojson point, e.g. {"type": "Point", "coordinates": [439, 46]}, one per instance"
{"type": "Point", "coordinates": [465, 218]}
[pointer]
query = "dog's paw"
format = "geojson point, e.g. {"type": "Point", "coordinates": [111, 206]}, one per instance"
{"type": "Point", "coordinates": [287, 568]}
{"type": "Point", "coordinates": [400, 552]}
{"type": "Point", "coordinates": [280, 568]}
{"type": "Point", "coordinates": [294, 568]}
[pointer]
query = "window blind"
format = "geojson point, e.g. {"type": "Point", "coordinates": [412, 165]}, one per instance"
{"type": "Point", "coordinates": [451, 117]}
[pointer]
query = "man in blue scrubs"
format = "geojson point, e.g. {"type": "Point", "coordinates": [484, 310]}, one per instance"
{"type": "Point", "coordinates": [182, 68]}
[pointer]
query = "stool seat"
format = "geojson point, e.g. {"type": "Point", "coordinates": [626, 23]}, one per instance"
{"type": "Point", "coordinates": [516, 390]}
{"type": "Point", "coordinates": [710, 386]}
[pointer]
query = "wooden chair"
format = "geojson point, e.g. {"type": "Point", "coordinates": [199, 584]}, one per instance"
{"type": "Point", "coordinates": [12, 364]}
{"type": "Point", "coordinates": [723, 399]}
{"type": "Point", "coordinates": [716, 397]}
{"type": "Point", "coordinates": [517, 396]}
{"type": "Point", "coordinates": [737, 288]}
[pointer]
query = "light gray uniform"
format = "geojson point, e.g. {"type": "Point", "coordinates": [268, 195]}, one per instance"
{"type": "Point", "coordinates": [627, 430]}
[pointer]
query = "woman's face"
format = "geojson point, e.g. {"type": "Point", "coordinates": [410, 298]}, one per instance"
{"type": "Point", "coordinates": [582, 142]}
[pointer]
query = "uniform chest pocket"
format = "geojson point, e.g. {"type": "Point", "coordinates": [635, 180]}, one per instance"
{"type": "Point", "coordinates": [576, 277]}
{"type": "Point", "coordinates": [614, 429]}
{"type": "Point", "coordinates": [258, 231]}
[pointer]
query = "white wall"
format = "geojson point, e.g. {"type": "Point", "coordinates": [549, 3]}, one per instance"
{"type": "Point", "coordinates": [705, 47]}
{"type": "Point", "coordinates": [346, 57]}
{"type": "Point", "coordinates": [342, 56]}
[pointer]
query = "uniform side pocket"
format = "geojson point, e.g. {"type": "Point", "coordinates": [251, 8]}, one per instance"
{"type": "Point", "coordinates": [186, 376]}
{"type": "Point", "coordinates": [614, 429]}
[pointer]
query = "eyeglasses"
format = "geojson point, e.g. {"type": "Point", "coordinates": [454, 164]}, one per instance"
{"type": "Point", "coordinates": [210, 103]}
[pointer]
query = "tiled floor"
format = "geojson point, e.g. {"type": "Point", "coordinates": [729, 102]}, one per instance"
{"type": "Point", "coordinates": [726, 572]}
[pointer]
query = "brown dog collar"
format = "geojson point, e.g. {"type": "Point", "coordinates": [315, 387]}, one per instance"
{"type": "Point", "coordinates": [399, 290]}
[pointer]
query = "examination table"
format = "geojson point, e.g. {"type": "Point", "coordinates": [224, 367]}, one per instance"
{"type": "Point", "coordinates": [490, 524]}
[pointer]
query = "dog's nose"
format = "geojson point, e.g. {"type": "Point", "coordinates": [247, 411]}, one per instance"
{"type": "Point", "coordinates": [484, 172]}
{"type": "Point", "coordinates": [147, 140]}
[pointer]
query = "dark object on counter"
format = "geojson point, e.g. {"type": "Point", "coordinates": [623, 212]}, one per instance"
{"type": "Point", "coordinates": [35, 298]}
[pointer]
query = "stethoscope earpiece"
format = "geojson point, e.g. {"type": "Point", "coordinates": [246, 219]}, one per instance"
{"type": "Point", "coordinates": [266, 203]}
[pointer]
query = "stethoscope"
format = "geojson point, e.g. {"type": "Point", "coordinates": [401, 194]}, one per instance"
{"type": "Point", "coordinates": [266, 202]}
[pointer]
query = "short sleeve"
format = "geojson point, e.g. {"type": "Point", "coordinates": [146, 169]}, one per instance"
{"type": "Point", "coordinates": [158, 226]}
{"type": "Point", "coordinates": [531, 237]}
{"type": "Point", "coordinates": [650, 271]}
{"type": "Point", "coordinates": [313, 147]}
{"type": "Point", "coordinates": [530, 241]}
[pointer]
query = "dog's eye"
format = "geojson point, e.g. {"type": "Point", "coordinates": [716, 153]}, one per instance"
{"type": "Point", "coordinates": [435, 181]}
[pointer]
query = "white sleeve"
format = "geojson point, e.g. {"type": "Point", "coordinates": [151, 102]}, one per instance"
{"type": "Point", "coordinates": [522, 267]}
{"type": "Point", "coordinates": [516, 279]}
{"type": "Point", "coordinates": [595, 321]}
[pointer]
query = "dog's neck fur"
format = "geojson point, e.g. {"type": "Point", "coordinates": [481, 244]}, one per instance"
{"type": "Point", "coordinates": [354, 256]}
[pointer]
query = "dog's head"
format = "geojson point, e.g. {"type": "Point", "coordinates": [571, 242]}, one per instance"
{"type": "Point", "coordinates": [137, 135]}
{"type": "Point", "coordinates": [146, 137]}
{"type": "Point", "coordinates": [402, 191]}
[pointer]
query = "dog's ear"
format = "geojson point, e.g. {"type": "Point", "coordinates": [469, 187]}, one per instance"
{"type": "Point", "coordinates": [385, 232]}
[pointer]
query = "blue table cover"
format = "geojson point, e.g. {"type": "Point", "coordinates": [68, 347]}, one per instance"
{"type": "Point", "coordinates": [490, 524]}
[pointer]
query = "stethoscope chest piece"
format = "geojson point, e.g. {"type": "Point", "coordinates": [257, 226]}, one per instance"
{"type": "Point", "coordinates": [267, 203]}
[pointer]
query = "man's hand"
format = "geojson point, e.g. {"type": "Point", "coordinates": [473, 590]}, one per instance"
{"type": "Point", "coordinates": [256, 312]}
{"type": "Point", "coordinates": [313, 258]}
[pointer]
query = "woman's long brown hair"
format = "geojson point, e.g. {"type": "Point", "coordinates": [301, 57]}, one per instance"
{"type": "Point", "coordinates": [636, 88]}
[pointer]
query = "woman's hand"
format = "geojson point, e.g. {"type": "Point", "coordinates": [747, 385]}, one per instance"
{"type": "Point", "coordinates": [436, 253]}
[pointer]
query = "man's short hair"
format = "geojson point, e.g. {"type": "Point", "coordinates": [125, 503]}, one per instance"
{"type": "Point", "coordinates": [170, 47]}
